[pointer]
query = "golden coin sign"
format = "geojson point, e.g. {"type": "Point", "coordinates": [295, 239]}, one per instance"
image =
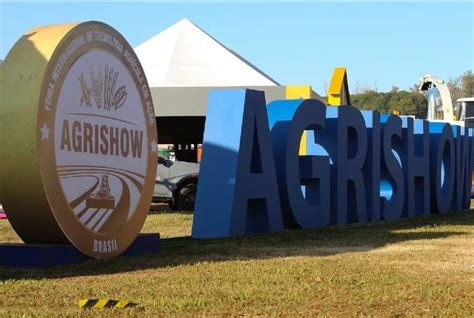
{"type": "Point", "coordinates": [78, 138]}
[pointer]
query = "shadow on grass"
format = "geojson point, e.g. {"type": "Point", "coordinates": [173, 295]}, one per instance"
{"type": "Point", "coordinates": [315, 242]}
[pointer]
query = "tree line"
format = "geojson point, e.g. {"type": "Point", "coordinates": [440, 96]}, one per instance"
{"type": "Point", "coordinates": [412, 101]}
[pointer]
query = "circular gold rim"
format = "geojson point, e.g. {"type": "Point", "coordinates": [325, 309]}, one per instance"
{"type": "Point", "coordinates": [80, 236]}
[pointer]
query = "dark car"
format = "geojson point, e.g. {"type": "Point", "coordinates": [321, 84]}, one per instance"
{"type": "Point", "coordinates": [176, 183]}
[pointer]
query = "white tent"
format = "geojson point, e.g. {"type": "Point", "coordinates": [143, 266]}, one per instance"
{"type": "Point", "coordinates": [185, 56]}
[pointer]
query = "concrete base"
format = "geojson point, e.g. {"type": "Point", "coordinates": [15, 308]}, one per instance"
{"type": "Point", "coordinates": [49, 255]}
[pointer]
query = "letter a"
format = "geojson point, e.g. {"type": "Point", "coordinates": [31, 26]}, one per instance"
{"type": "Point", "coordinates": [237, 191]}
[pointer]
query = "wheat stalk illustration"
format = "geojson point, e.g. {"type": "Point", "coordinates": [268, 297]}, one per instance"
{"type": "Point", "coordinates": [110, 81]}
{"type": "Point", "coordinates": [97, 86]}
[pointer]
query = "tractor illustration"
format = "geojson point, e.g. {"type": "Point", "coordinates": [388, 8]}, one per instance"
{"type": "Point", "coordinates": [102, 199]}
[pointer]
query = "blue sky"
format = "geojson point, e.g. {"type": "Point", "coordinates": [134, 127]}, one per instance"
{"type": "Point", "coordinates": [381, 44]}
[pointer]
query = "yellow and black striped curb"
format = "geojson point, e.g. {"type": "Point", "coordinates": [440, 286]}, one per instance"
{"type": "Point", "coordinates": [104, 303]}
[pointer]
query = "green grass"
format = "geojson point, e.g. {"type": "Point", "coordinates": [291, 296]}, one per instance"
{"type": "Point", "coordinates": [411, 267]}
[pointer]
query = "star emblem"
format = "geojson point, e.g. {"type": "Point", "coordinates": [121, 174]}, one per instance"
{"type": "Point", "coordinates": [154, 146]}
{"type": "Point", "coordinates": [44, 132]}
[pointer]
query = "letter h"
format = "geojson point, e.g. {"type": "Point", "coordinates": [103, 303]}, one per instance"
{"type": "Point", "coordinates": [416, 159]}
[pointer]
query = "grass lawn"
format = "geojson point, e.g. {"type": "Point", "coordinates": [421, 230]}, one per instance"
{"type": "Point", "coordinates": [422, 266]}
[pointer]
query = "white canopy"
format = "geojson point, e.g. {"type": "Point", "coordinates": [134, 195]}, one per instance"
{"type": "Point", "coordinates": [186, 56]}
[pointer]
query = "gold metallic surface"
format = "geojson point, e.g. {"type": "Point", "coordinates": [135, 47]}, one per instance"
{"type": "Point", "coordinates": [21, 192]}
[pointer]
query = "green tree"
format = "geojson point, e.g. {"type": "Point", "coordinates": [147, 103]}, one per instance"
{"type": "Point", "coordinates": [462, 86]}
{"type": "Point", "coordinates": [411, 102]}
{"type": "Point", "coordinates": [404, 102]}
{"type": "Point", "coordinates": [467, 84]}
{"type": "Point", "coordinates": [455, 88]}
